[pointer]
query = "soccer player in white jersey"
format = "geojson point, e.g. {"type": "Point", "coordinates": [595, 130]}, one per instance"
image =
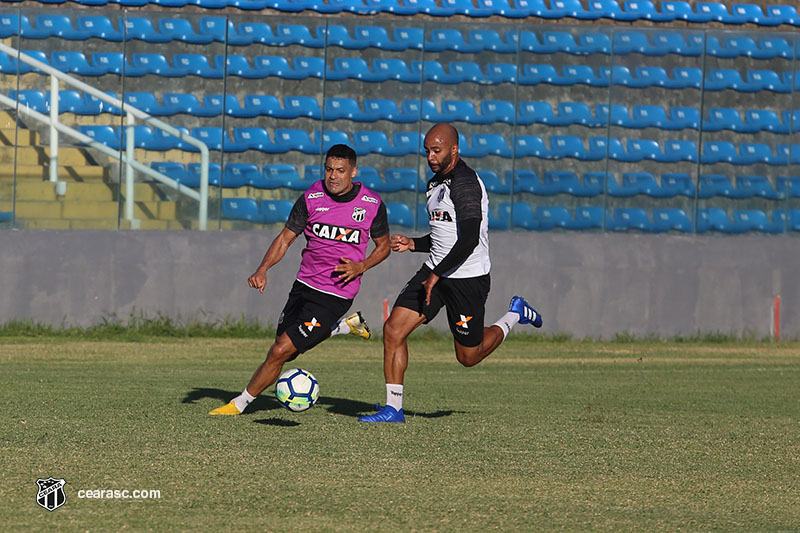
{"type": "Point", "coordinates": [455, 275]}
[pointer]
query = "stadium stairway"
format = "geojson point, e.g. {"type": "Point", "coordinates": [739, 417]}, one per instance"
{"type": "Point", "coordinates": [90, 200]}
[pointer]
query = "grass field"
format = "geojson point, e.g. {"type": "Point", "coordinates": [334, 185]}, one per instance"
{"type": "Point", "coordinates": [646, 436]}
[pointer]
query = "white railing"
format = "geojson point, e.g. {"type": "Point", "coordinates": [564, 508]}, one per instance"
{"type": "Point", "coordinates": [128, 156]}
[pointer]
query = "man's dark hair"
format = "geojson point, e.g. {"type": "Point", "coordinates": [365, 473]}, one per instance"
{"type": "Point", "coordinates": [342, 151]}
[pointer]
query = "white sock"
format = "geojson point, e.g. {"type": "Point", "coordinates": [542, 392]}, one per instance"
{"type": "Point", "coordinates": [243, 400]}
{"type": "Point", "coordinates": [341, 328]}
{"type": "Point", "coordinates": [394, 395]}
{"type": "Point", "coordinates": [506, 322]}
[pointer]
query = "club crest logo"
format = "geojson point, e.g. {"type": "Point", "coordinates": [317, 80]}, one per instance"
{"type": "Point", "coordinates": [359, 213]}
{"type": "Point", "coordinates": [51, 493]}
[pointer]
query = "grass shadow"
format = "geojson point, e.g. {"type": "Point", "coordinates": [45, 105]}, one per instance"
{"type": "Point", "coordinates": [355, 408]}
{"type": "Point", "coordinates": [277, 422]}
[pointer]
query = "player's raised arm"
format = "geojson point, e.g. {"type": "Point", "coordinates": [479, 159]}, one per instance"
{"type": "Point", "coordinates": [274, 254]}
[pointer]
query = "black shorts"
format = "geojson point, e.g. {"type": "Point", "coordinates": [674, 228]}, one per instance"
{"type": "Point", "coordinates": [464, 298]}
{"type": "Point", "coordinates": [309, 315]}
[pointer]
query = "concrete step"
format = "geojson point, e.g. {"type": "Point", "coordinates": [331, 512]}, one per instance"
{"type": "Point", "coordinates": [22, 137]}
{"type": "Point", "coordinates": [90, 210]}
{"type": "Point", "coordinates": [40, 155]}
{"type": "Point", "coordinates": [79, 173]}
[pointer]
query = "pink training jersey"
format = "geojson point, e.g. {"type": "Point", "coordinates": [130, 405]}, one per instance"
{"type": "Point", "coordinates": [335, 230]}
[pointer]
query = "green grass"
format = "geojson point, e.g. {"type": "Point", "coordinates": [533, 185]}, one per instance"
{"type": "Point", "coordinates": [544, 435]}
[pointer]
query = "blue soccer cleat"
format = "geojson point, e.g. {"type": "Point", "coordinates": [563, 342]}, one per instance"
{"type": "Point", "coordinates": [527, 314]}
{"type": "Point", "coordinates": [385, 414]}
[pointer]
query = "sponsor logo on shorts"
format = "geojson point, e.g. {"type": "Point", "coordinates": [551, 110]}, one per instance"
{"type": "Point", "coordinates": [463, 323]}
{"type": "Point", "coordinates": [313, 324]}
{"type": "Point", "coordinates": [336, 233]}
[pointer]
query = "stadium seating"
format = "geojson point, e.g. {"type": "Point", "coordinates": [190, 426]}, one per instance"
{"type": "Point", "coordinates": [671, 219]}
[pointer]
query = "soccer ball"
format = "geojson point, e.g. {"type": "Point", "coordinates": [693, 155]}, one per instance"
{"type": "Point", "coordinates": [297, 389]}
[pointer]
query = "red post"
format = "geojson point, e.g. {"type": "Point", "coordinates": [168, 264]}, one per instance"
{"type": "Point", "coordinates": [385, 309]}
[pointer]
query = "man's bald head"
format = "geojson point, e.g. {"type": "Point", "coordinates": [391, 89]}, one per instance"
{"type": "Point", "coordinates": [441, 148]}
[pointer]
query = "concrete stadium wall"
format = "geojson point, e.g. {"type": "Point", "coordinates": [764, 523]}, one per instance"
{"type": "Point", "coordinates": [583, 284]}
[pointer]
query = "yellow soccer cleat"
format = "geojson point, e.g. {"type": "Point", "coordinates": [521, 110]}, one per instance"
{"type": "Point", "coordinates": [227, 409]}
{"type": "Point", "coordinates": [358, 326]}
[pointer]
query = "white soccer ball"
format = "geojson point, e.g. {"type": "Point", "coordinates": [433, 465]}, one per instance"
{"type": "Point", "coordinates": [297, 389]}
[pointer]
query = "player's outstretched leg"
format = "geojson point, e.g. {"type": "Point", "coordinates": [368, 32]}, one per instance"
{"type": "Point", "coordinates": [527, 314]}
{"type": "Point", "coordinates": [353, 324]}
{"type": "Point", "coordinates": [387, 413]}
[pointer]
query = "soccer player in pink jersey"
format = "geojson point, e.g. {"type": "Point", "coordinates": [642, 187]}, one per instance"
{"type": "Point", "coordinates": [338, 218]}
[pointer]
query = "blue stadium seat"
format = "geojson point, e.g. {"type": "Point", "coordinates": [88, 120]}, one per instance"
{"type": "Point", "coordinates": [559, 182]}
{"type": "Point", "coordinates": [411, 108]}
{"type": "Point", "coordinates": [725, 118]}
{"type": "Point", "coordinates": [237, 175]}
{"type": "Point", "coordinates": [403, 179]}
{"type": "Point", "coordinates": [254, 138]}
{"type": "Point", "coordinates": [142, 28]}
{"type": "Point", "coordinates": [571, 8]}
{"type": "Point", "coordinates": [641, 149]}
{"type": "Point", "coordinates": [557, 41]}
{"type": "Point", "coordinates": [291, 139]}
{"type": "Point", "coordinates": [536, 74]}
{"type": "Point", "coordinates": [490, 40]}
{"type": "Point", "coordinates": [679, 150]}
{"type": "Point", "coordinates": [302, 106]}
{"type": "Point", "coordinates": [307, 67]}
{"type": "Point", "coordinates": [523, 180]}
{"type": "Point", "coordinates": [196, 65]}
{"type": "Point", "coordinates": [376, 37]}
{"type": "Point", "coordinates": [254, 32]}
{"type": "Point", "coordinates": [628, 42]}
{"type": "Point", "coordinates": [685, 78]}
{"type": "Point", "coordinates": [461, 111]}
{"type": "Point", "coordinates": [594, 43]}
{"type": "Point", "coordinates": [180, 103]}
{"type": "Point", "coordinates": [752, 153]}
{"type": "Point", "coordinates": [765, 80]}
{"type": "Point", "coordinates": [373, 142]}
{"type": "Point", "coordinates": [600, 148]}
{"type": "Point", "coordinates": [147, 102]}
{"type": "Point", "coordinates": [535, 112]}
{"type": "Point", "coordinates": [549, 217]}
{"type": "Point", "coordinates": [12, 24]}
{"type": "Point", "coordinates": [100, 27]}
{"type": "Point", "coordinates": [48, 25]}
{"type": "Point", "coordinates": [395, 69]}
{"type": "Point", "coordinates": [32, 99]}
{"type": "Point", "coordinates": [267, 105]}
{"type": "Point", "coordinates": [671, 43]}
{"type": "Point", "coordinates": [767, 120]}
{"type": "Point", "coordinates": [297, 34]}
{"type": "Point", "coordinates": [568, 146]}
{"type": "Point", "coordinates": [452, 39]}
{"type": "Point", "coordinates": [498, 111]}
{"type": "Point", "coordinates": [180, 29]}
{"type": "Point", "coordinates": [399, 214]}
{"type": "Point", "coordinates": [213, 136]}
{"type": "Point", "coordinates": [278, 175]}
{"type": "Point", "coordinates": [641, 183]}
{"type": "Point", "coordinates": [497, 73]}
{"type": "Point", "coordinates": [677, 184]}
{"type": "Point", "coordinates": [671, 219]}
{"type": "Point", "coordinates": [616, 114]}
{"type": "Point", "coordinates": [782, 14]}
{"type": "Point", "coordinates": [354, 68]}
{"type": "Point", "coordinates": [501, 219]}
{"type": "Point", "coordinates": [575, 113]}
{"type": "Point", "coordinates": [345, 108]}
{"type": "Point", "coordinates": [588, 217]}
{"type": "Point", "coordinates": [175, 171]}
{"type": "Point", "coordinates": [710, 185]}
{"type": "Point", "coordinates": [684, 117]}
{"type": "Point", "coordinates": [162, 141]}
{"type": "Point", "coordinates": [531, 146]}
{"type": "Point", "coordinates": [630, 218]}
{"type": "Point", "coordinates": [103, 134]}
{"type": "Point", "coordinates": [274, 66]}
{"type": "Point", "coordinates": [718, 152]}
{"type": "Point", "coordinates": [752, 186]}
{"type": "Point", "coordinates": [645, 10]}
{"type": "Point", "coordinates": [241, 209]}
{"type": "Point", "coordinates": [74, 63]}
{"type": "Point", "coordinates": [237, 65]}
{"type": "Point", "coordinates": [338, 35]}
{"type": "Point", "coordinates": [491, 144]}
{"type": "Point", "coordinates": [71, 101]}
{"type": "Point", "coordinates": [754, 220]}
{"type": "Point", "coordinates": [650, 116]}
{"type": "Point", "coordinates": [493, 183]}
{"type": "Point", "coordinates": [274, 211]}
{"type": "Point", "coordinates": [385, 109]}
{"type": "Point", "coordinates": [409, 38]}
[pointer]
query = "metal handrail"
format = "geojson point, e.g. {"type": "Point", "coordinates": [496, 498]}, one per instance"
{"type": "Point", "coordinates": [128, 157]}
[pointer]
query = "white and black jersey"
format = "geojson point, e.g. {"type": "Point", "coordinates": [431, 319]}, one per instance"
{"type": "Point", "coordinates": [458, 210]}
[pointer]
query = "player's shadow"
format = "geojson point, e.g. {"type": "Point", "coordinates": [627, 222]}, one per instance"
{"type": "Point", "coordinates": [261, 403]}
{"type": "Point", "coordinates": [266, 402]}
{"type": "Point", "coordinates": [354, 408]}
